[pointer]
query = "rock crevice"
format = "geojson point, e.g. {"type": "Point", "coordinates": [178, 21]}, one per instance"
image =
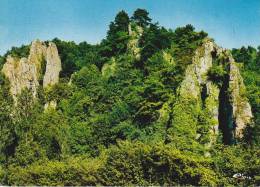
{"type": "Point", "coordinates": [196, 79]}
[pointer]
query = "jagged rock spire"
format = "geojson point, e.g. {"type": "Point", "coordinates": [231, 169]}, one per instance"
{"type": "Point", "coordinates": [26, 72]}
{"type": "Point", "coordinates": [241, 108]}
{"type": "Point", "coordinates": [53, 66]}
{"type": "Point", "coordinates": [21, 75]}
{"type": "Point", "coordinates": [196, 79]}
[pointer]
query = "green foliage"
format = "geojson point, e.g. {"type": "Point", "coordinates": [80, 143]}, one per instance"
{"type": "Point", "coordinates": [57, 92]}
{"type": "Point", "coordinates": [122, 121]}
{"type": "Point", "coordinates": [143, 164]}
{"type": "Point", "coordinates": [75, 56]}
{"type": "Point", "coordinates": [120, 24]}
{"type": "Point", "coordinates": [7, 130]}
{"type": "Point", "coordinates": [250, 59]}
{"type": "Point", "coordinates": [217, 74]}
{"type": "Point", "coordinates": [117, 36]}
{"type": "Point", "coordinates": [80, 140]}
{"type": "Point", "coordinates": [141, 17]}
{"type": "Point", "coordinates": [245, 55]}
{"type": "Point", "coordinates": [231, 160]}
{"type": "Point", "coordinates": [185, 41]}
{"type": "Point", "coordinates": [87, 78]}
{"type": "Point", "coordinates": [50, 132]}
{"type": "Point", "coordinates": [20, 52]}
{"type": "Point", "coordinates": [2, 175]}
{"type": "Point", "coordinates": [184, 128]}
{"type": "Point", "coordinates": [74, 171]}
{"type": "Point", "coordinates": [154, 39]}
{"type": "Point", "coordinates": [27, 152]}
{"type": "Point", "coordinates": [157, 164]}
{"type": "Point", "coordinates": [127, 164]}
{"type": "Point", "coordinates": [2, 61]}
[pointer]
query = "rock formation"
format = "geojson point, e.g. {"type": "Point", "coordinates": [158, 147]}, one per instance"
{"type": "Point", "coordinates": [21, 75]}
{"type": "Point", "coordinates": [43, 66]}
{"type": "Point", "coordinates": [53, 66]}
{"type": "Point", "coordinates": [242, 113]}
{"type": "Point", "coordinates": [135, 32]}
{"type": "Point", "coordinates": [26, 73]}
{"type": "Point", "coordinates": [196, 81]}
{"type": "Point", "coordinates": [37, 55]}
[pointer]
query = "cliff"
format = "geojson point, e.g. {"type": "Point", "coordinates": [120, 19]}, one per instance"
{"type": "Point", "coordinates": [21, 74]}
{"type": "Point", "coordinates": [43, 62]}
{"type": "Point", "coordinates": [226, 104]}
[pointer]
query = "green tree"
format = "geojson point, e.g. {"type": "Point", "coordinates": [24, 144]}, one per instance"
{"type": "Point", "coordinates": [154, 38]}
{"type": "Point", "coordinates": [51, 131]}
{"type": "Point", "coordinates": [20, 52]}
{"type": "Point", "coordinates": [141, 17]}
{"type": "Point", "coordinates": [74, 57]}
{"type": "Point", "coordinates": [117, 36]}
{"type": "Point", "coordinates": [8, 137]}
{"type": "Point", "coordinates": [250, 58]}
{"type": "Point", "coordinates": [120, 24]}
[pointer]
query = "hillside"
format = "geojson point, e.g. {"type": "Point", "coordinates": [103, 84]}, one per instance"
{"type": "Point", "coordinates": [146, 106]}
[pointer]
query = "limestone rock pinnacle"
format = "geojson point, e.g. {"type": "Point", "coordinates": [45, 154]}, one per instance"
{"type": "Point", "coordinates": [26, 72]}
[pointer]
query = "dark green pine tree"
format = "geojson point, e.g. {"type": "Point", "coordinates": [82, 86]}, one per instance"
{"type": "Point", "coordinates": [117, 36]}
{"type": "Point", "coordinates": [141, 17]}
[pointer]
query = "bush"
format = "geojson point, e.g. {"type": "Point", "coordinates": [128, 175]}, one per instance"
{"type": "Point", "coordinates": [217, 74]}
{"type": "Point", "coordinates": [74, 171]}
{"type": "Point", "coordinates": [2, 175]}
{"type": "Point", "coordinates": [126, 164]}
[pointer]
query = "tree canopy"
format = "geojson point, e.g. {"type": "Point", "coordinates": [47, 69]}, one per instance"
{"type": "Point", "coordinates": [119, 120]}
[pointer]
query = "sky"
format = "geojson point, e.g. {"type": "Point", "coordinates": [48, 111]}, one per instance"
{"type": "Point", "coordinates": [232, 23]}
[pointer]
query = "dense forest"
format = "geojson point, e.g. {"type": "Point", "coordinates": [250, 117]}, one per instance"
{"type": "Point", "coordinates": [121, 117]}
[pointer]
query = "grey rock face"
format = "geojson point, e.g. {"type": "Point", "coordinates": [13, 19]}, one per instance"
{"type": "Point", "coordinates": [37, 55]}
{"type": "Point", "coordinates": [196, 73]}
{"type": "Point", "coordinates": [241, 108]}
{"type": "Point", "coordinates": [25, 73]}
{"type": "Point", "coordinates": [53, 66]}
{"type": "Point", "coordinates": [196, 78]}
{"type": "Point", "coordinates": [21, 75]}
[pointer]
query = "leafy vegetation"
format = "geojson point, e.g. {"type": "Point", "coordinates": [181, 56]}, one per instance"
{"type": "Point", "coordinates": [250, 66]}
{"type": "Point", "coordinates": [119, 120]}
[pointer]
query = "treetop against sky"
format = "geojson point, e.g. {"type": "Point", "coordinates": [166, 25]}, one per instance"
{"type": "Point", "coordinates": [231, 23]}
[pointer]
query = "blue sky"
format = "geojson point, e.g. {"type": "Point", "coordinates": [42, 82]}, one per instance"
{"type": "Point", "coordinates": [232, 23]}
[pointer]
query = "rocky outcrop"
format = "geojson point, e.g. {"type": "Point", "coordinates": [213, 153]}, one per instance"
{"type": "Point", "coordinates": [196, 81]}
{"type": "Point", "coordinates": [26, 73]}
{"type": "Point", "coordinates": [135, 32]}
{"type": "Point", "coordinates": [196, 73]}
{"type": "Point", "coordinates": [212, 107]}
{"type": "Point", "coordinates": [242, 113]}
{"type": "Point", "coordinates": [21, 75]}
{"type": "Point", "coordinates": [37, 56]}
{"type": "Point", "coordinates": [53, 66]}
